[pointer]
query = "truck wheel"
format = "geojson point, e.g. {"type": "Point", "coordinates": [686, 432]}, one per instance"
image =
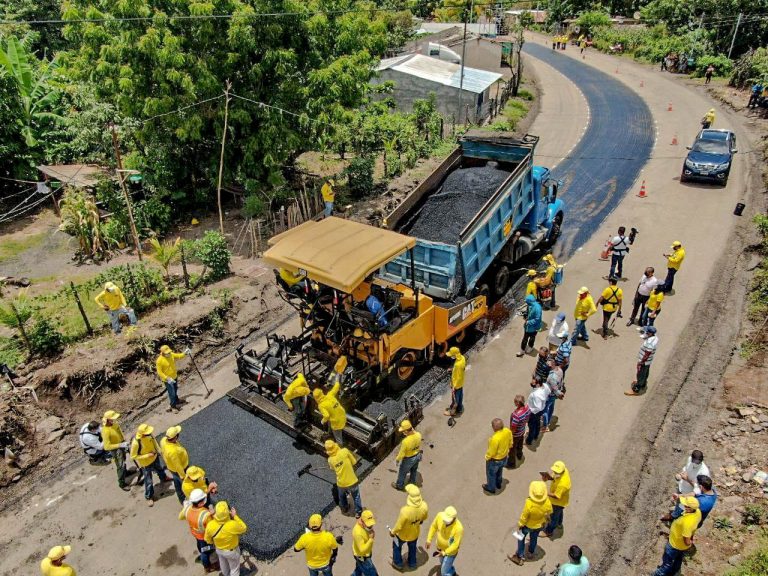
{"type": "Point", "coordinates": [501, 281]}
{"type": "Point", "coordinates": [404, 367]}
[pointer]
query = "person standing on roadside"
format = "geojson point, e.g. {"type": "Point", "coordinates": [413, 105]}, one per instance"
{"type": "Point", "coordinates": [536, 512]}
{"type": "Point", "coordinates": [557, 331]}
{"type": "Point", "coordinates": [363, 535]}
{"type": "Point", "coordinates": [577, 565]}
{"type": "Point", "coordinates": [197, 515]}
{"type": "Point", "coordinates": [518, 420]}
{"type": "Point", "coordinates": [342, 462]}
{"type": "Point", "coordinates": [708, 119]}
{"type": "Point", "coordinates": [585, 307]}
{"type": "Point", "coordinates": [644, 360]}
{"type": "Point", "coordinates": [556, 392]}
{"type": "Point", "coordinates": [559, 495]}
{"type": "Point", "coordinates": [114, 442]}
{"type": "Point", "coordinates": [54, 565]}
{"type": "Point", "coordinates": [499, 445]}
{"type": "Point", "coordinates": [694, 467]}
{"type": "Point", "coordinates": [113, 302]}
{"type": "Point", "coordinates": [643, 291]}
{"type": "Point", "coordinates": [707, 497]}
{"type": "Point", "coordinates": [611, 300]}
{"type": "Point", "coordinates": [532, 326]}
{"type": "Point", "coordinates": [169, 375]}
{"type": "Point", "coordinates": [409, 456]}
{"type": "Point", "coordinates": [176, 458]}
{"type": "Point", "coordinates": [408, 527]}
{"type": "Point", "coordinates": [537, 401]}
{"type": "Point", "coordinates": [449, 533]}
{"type": "Point", "coordinates": [457, 382]}
{"type": "Point", "coordinates": [652, 308]}
{"type": "Point", "coordinates": [295, 397]}
{"type": "Point", "coordinates": [619, 248]}
{"type": "Point", "coordinates": [146, 453]}
{"type": "Point", "coordinates": [563, 354]}
{"type": "Point", "coordinates": [329, 196]}
{"type": "Point", "coordinates": [680, 537]}
{"type": "Point", "coordinates": [532, 289]}
{"type": "Point", "coordinates": [320, 547]}
{"type": "Point", "coordinates": [754, 96]}
{"type": "Point", "coordinates": [708, 74]}
{"type": "Point", "coordinates": [224, 532]}
{"type": "Point", "coordinates": [674, 261]}
{"type": "Point", "coordinates": [541, 371]}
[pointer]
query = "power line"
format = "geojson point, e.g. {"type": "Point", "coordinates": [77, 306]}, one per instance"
{"type": "Point", "coordinates": [183, 108]}
{"type": "Point", "coordinates": [281, 110]}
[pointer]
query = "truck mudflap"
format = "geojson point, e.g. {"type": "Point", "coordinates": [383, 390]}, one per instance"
{"type": "Point", "coordinates": [265, 376]}
{"type": "Point", "coordinates": [451, 321]}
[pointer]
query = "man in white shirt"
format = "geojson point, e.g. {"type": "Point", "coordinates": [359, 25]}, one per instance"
{"type": "Point", "coordinates": [90, 442]}
{"type": "Point", "coordinates": [644, 288]}
{"type": "Point", "coordinates": [537, 401]}
{"type": "Point", "coordinates": [557, 332]}
{"type": "Point", "coordinates": [644, 359]}
{"type": "Point", "coordinates": [686, 479]}
{"type": "Point", "coordinates": [619, 249]}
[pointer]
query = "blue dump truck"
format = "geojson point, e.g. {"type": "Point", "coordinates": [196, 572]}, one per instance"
{"type": "Point", "coordinates": [476, 217]}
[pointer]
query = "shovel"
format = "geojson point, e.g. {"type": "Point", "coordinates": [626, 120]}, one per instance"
{"type": "Point", "coordinates": [208, 391]}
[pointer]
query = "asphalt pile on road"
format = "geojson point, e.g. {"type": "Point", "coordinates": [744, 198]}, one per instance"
{"type": "Point", "coordinates": [463, 193]}
{"type": "Point", "coordinates": [256, 466]}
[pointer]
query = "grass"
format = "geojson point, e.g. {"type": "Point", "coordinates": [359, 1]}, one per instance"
{"type": "Point", "coordinates": [11, 353]}
{"type": "Point", "coordinates": [513, 112]}
{"type": "Point", "coordinates": [11, 248]}
{"type": "Point", "coordinates": [756, 564]}
{"type": "Point", "coordinates": [67, 319]}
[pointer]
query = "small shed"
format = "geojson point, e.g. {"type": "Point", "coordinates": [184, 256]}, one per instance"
{"type": "Point", "coordinates": [77, 175]}
{"type": "Point", "coordinates": [416, 76]}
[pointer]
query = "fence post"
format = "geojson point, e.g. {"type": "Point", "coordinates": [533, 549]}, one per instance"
{"type": "Point", "coordinates": [442, 128]}
{"type": "Point", "coordinates": [184, 267]}
{"type": "Point", "coordinates": [82, 310]}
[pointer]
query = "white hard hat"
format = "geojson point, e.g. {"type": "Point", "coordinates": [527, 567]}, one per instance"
{"type": "Point", "coordinates": [197, 495]}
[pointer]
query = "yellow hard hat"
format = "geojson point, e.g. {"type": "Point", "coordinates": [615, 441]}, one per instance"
{"type": "Point", "coordinates": [450, 513]}
{"type": "Point", "coordinates": [558, 467]}
{"type": "Point", "coordinates": [194, 473]}
{"type": "Point", "coordinates": [144, 430]}
{"type": "Point", "coordinates": [111, 415]}
{"type": "Point", "coordinates": [689, 502]}
{"type": "Point", "coordinates": [109, 287]}
{"type": "Point", "coordinates": [537, 491]}
{"type": "Point", "coordinates": [367, 518]}
{"type": "Point", "coordinates": [58, 552]}
{"type": "Point", "coordinates": [331, 447]}
{"type": "Point", "coordinates": [317, 394]}
{"type": "Point", "coordinates": [405, 425]}
{"type": "Point", "coordinates": [165, 349]}
{"type": "Point", "coordinates": [172, 432]}
{"type": "Point", "coordinates": [676, 244]}
{"type": "Point", "coordinates": [453, 352]}
{"type": "Point", "coordinates": [531, 272]}
{"type": "Point", "coordinates": [583, 290]}
{"type": "Point", "coordinates": [315, 521]}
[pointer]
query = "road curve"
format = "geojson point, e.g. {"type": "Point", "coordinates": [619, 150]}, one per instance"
{"type": "Point", "coordinates": [603, 166]}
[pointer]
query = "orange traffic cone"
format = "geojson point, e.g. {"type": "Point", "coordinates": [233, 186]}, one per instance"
{"type": "Point", "coordinates": [606, 253]}
{"type": "Point", "coordinates": [674, 140]}
{"type": "Point", "coordinates": [642, 193]}
{"type": "Point", "coordinates": [669, 107]}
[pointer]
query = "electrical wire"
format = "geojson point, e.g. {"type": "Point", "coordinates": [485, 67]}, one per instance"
{"type": "Point", "coordinates": [184, 108]}
{"type": "Point", "coordinates": [281, 110]}
{"type": "Point", "coordinates": [25, 210]}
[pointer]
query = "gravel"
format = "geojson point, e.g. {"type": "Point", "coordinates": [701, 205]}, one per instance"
{"type": "Point", "coordinates": [256, 468]}
{"type": "Point", "coordinates": [463, 193]}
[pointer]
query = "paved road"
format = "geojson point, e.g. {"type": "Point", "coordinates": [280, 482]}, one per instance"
{"type": "Point", "coordinates": [603, 166]}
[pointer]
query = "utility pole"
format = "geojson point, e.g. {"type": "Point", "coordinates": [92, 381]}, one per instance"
{"type": "Point", "coordinates": [463, 58]}
{"type": "Point", "coordinates": [735, 31]}
{"type": "Point", "coordinates": [221, 157]}
{"type": "Point", "coordinates": [121, 177]}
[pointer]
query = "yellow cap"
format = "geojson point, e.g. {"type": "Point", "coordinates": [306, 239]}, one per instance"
{"type": "Point", "coordinates": [172, 432]}
{"type": "Point", "coordinates": [450, 513]}
{"type": "Point", "coordinates": [111, 415]}
{"type": "Point", "coordinates": [558, 467]}
{"type": "Point", "coordinates": [583, 290]}
{"type": "Point", "coordinates": [144, 430]}
{"type": "Point", "coordinates": [537, 491]}
{"type": "Point", "coordinates": [367, 518]}
{"type": "Point", "coordinates": [676, 244]}
{"type": "Point", "coordinates": [165, 349]}
{"type": "Point", "coordinates": [689, 502]}
{"type": "Point", "coordinates": [315, 521]}
{"type": "Point", "coordinates": [317, 394]}
{"type": "Point", "coordinates": [453, 352]}
{"type": "Point", "coordinates": [405, 425]}
{"type": "Point", "coordinates": [531, 272]}
{"type": "Point", "coordinates": [109, 287]}
{"type": "Point", "coordinates": [195, 473]}
{"type": "Point", "coordinates": [331, 447]}
{"type": "Point", "coordinates": [58, 552]}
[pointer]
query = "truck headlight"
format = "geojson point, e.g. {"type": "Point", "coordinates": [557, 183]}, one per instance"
{"type": "Point", "coordinates": [689, 164]}
{"type": "Point", "coordinates": [723, 166]}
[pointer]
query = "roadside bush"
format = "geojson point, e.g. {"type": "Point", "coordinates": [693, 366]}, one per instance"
{"type": "Point", "coordinates": [755, 564]}
{"type": "Point", "coordinates": [525, 94]}
{"type": "Point", "coordinates": [723, 66]}
{"type": "Point", "coordinates": [750, 68]}
{"type": "Point", "coordinates": [360, 177]}
{"type": "Point", "coordinates": [152, 214]}
{"type": "Point", "coordinates": [592, 20]}
{"type": "Point", "coordinates": [44, 339]}
{"type": "Point", "coordinates": [212, 251]}
{"type": "Point", "coordinates": [753, 515]}
{"type": "Point", "coordinates": [253, 206]}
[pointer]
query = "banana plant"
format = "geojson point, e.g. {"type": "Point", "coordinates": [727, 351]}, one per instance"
{"type": "Point", "coordinates": [165, 253]}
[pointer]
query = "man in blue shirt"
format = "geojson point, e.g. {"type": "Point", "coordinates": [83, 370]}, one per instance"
{"type": "Point", "coordinates": [532, 325]}
{"type": "Point", "coordinates": [707, 500]}
{"type": "Point", "coordinates": [577, 565]}
{"type": "Point", "coordinates": [374, 305]}
{"type": "Point", "coordinates": [754, 97]}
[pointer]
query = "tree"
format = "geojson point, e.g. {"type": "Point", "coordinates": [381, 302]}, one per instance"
{"type": "Point", "coordinates": [518, 32]}
{"type": "Point", "coordinates": [589, 21]}
{"type": "Point", "coordinates": [16, 314]}
{"type": "Point", "coordinates": [80, 218]}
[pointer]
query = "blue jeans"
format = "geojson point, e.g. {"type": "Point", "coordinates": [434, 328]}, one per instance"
{"type": "Point", "coordinates": [354, 492]}
{"type": "Point", "coordinates": [580, 331]}
{"type": "Point", "coordinates": [617, 265]}
{"type": "Point", "coordinates": [114, 318]}
{"type": "Point", "coordinates": [408, 465]}
{"type": "Point", "coordinates": [646, 319]}
{"type": "Point", "coordinates": [532, 541]}
{"type": "Point", "coordinates": [364, 567]}
{"type": "Point", "coordinates": [177, 486]}
{"type": "Point", "coordinates": [493, 470]}
{"type": "Point", "coordinates": [534, 426]}
{"type": "Point", "coordinates": [458, 400]}
{"type": "Point", "coordinates": [669, 280]}
{"type": "Point", "coordinates": [549, 410]}
{"type": "Point", "coordinates": [205, 550]}
{"type": "Point", "coordinates": [172, 387]}
{"type": "Point", "coordinates": [324, 571]}
{"type": "Point", "coordinates": [157, 467]}
{"type": "Point", "coordinates": [556, 520]}
{"type": "Point", "coordinates": [671, 562]}
{"type": "Point", "coordinates": [328, 209]}
{"type": "Point", "coordinates": [446, 567]}
{"type": "Point", "coordinates": [397, 552]}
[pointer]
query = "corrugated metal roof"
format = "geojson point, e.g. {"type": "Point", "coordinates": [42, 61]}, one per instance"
{"type": "Point", "coordinates": [441, 72]}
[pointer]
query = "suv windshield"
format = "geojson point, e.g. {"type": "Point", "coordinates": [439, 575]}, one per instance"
{"type": "Point", "coordinates": [710, 146]}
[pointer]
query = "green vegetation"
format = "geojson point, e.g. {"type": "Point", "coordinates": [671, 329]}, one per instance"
{"type": "Point", "coordinates": [12, 247]}
{"type": "Point", "coordinates": [360, 176]}
{"type": "Point", "coordinates": [756, 564]}
{"type": "Point", "coordinates": [750, 68]}
{"type": "Point", "coordinates": [45, 339]}
{"type": "Point", "coordinates": [513, 112]}
{"type": "Point", "coordinates": [758, 297]}
{"type": "Point", "coordinates": [212, 251]}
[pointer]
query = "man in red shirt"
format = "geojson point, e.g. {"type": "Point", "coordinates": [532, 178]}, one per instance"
{"type": "Point", "coordinates": [517, 423]}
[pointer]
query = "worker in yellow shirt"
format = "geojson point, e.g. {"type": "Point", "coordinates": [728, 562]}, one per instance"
{"type": "Point", "coordinates": [342, 462]}
{"type": "Point", "coordinates": [195, 478]}
{"type": "Point", "coordinates": [559, 495]}
{"type": "Point", "coordinates": [295, 398]}
{"type": "Point", "coordinates": [408, 527]}
{"type": "Point", "coordinates": [224, 532]}
{"type": "Point", "coordinates": [146, 453]}
{"type": "Point", "coordinates": [611, 300]}
{"type": "Point", "coordinates": [176, 458]}
{"type": "Point", "coordinates": [496, 456]}
{"type": "Point", "coordinates": [169, 374]}
{"type": "Point", "coordinates": [674, 261]}
{"type": "Point", "coordinates": [536, 512]}
{"type": "Point", "coordinates": [680, 537]}
{"type": "Point", "coordinates": [532, 289]}
{"type": "Point", "coordinates": [114, 441]}
{"type": "Point", "coordinates": [320, 547]}
{"type": "Point", "coordinates": [54, 565]}
{"type": "Point", "coordinates": [546, 283]}
{"type": "Point", "coordinates": [332, 411]}
{"type": "Point", "coordinates": [585, 307]}
{"type": "Point", "coordinates": [652, 308]}
{"type": "Point", "coordinates": [362, 545]}
{"type": "Point", "coordinates": [708, 119]}
{"type": "Point", "coordinates": [449, 532]}
{"type": "Point", "coordinates": [409, 455]}
{"type": "Point", "coordinates": [329, 196]}
{"type": "Point", "coordinates": [113, 302]}
{"type": "Point", "coordinates": [457, 382]}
